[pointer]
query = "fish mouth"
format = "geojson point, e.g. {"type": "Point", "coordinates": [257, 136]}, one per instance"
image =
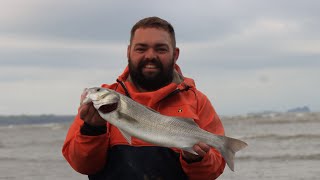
{"type": "Point", "coordinates": [108, 108]}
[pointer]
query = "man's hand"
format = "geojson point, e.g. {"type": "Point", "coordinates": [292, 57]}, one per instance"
{"type": "Point", "coordinates": [90, 115]}
{"type": "Point", "coordinates": [201, 149]}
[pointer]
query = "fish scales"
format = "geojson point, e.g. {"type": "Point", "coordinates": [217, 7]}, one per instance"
{"type": "Point", "coordinates": [154, 122]}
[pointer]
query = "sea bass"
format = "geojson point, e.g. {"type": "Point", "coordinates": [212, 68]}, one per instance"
{"type": "Point", "coordinates": [135, 119]}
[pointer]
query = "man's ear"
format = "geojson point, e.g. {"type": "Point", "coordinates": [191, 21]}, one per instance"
{"type": "Point", "coordinates": [128, 51]}
{"type": "Point", "coordinates": [176, 54]}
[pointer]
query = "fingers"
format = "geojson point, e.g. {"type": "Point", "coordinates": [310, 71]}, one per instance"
{"type": "Point", "coordinates": [90, 115]}
{"type": "Point", "coordinates": [201, 148]}
{"type": "Point", "coordinates": [189, 157]}
{"type": "Point", "coordinates": [83, 95]}
{"type": "Point", "coordinates": [83, 110]}
{"type": "Point", "coordinates": [97, 119]}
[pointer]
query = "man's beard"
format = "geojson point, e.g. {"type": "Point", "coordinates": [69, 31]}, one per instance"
{"type": "Point", "coordinates": [154, 82]}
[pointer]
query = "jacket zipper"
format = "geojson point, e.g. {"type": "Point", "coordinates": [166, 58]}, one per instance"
{"type": "Point", "coordinates": [124, 88]}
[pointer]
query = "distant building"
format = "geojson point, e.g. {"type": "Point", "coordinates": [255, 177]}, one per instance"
{"type": "Point", "coordinates": [300, 109]}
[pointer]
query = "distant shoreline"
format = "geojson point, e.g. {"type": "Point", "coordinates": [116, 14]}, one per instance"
{"type": "Point", "coordinates": [6, 120]}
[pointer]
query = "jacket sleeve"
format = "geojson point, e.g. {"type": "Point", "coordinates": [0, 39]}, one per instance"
{"type": "Point", "coordinates": [86, 154]}
{"type": "Point", "coordinates": [213, 164]}
{"type": "Point", "coordinates": [86, 151]}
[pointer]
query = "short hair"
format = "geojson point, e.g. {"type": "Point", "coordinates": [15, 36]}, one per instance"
{"type": "Point", "coordinates": [154, 22]}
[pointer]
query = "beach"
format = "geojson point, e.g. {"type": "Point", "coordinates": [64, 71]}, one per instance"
{"type": "Point", "coordinates": [282, 146]}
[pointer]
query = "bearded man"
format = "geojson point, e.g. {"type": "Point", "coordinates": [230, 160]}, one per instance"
{"type": "Point", "coordinates": [152, 78]}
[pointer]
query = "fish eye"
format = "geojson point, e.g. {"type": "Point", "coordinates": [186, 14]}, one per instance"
{"type": "Point", "coordinates": [98, 89]}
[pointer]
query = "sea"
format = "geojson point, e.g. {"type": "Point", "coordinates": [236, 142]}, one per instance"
{"type": "Point", "coordinates": [282, 146]}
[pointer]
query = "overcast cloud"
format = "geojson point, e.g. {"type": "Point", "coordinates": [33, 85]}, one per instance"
{"type": "Point", "coordinates": [245, 55]}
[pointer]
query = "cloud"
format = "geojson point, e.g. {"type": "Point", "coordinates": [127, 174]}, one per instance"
{"type": "Point", "coordinates": [35, 90]}
{"type": "Point", "coordinates": [264, 43]}
{"type": "Point", "coordinates": [246, 55]}
{"type": "Point", "coordinates": [238, 91]}
{"type": "Point", "coordinates": [26, 51]}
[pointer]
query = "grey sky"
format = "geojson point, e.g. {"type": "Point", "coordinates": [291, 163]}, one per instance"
{"type": "Point", "coordinates": [245, 55]}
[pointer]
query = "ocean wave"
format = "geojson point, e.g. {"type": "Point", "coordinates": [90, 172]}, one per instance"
{"type": "Point", "coordinates": [285, 157]}
{"type": "Point", "coordinates": [283, 137]}
{"type": "Point", "coordinates": [52, 126]}
{"type": "Point", "coordinates": [277, 118]}
{"type": "Point", "coordinates": [33, 119]}
{"type": "Point", "coordinates": [31, 159]}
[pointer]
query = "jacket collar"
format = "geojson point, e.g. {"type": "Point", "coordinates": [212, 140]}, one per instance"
{"type": "Point", "coordinates": [179, 83]}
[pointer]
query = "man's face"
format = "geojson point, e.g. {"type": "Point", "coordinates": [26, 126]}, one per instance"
{"type": "Point", "coordinates": [151, 57]}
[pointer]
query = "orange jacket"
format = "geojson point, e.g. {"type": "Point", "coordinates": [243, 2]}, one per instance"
{"type": "Point", "coordinates": [88, 154]}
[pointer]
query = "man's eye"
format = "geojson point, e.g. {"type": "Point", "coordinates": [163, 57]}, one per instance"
{"type": "Point", "coordinates": [140, 49]}
{"type": "Point", "coordinates": [162, 50]}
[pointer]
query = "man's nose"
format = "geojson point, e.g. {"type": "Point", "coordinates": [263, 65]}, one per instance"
{"type": "Point", "coordinates": [150, 54]}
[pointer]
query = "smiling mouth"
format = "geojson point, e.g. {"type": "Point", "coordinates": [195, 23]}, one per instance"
{"type": "Point", "coordinates": [108, 108]}
{"type": "Point", "coordinates": [150, 66]}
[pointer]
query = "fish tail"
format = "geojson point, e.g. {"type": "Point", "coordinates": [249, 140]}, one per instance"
{"type": "Point", "coordinates": [227, 147]}
{"type": "Point", "coordinates": [231, 146]}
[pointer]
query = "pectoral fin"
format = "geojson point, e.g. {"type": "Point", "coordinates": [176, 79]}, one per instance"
{"type": "Point", "coordinates": [126, 136]}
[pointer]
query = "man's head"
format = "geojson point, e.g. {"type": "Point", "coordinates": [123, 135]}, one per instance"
{"type": "Point", "coordinates": [152, 53]}
{"type": "Point", "coordinates": [154, 22]}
